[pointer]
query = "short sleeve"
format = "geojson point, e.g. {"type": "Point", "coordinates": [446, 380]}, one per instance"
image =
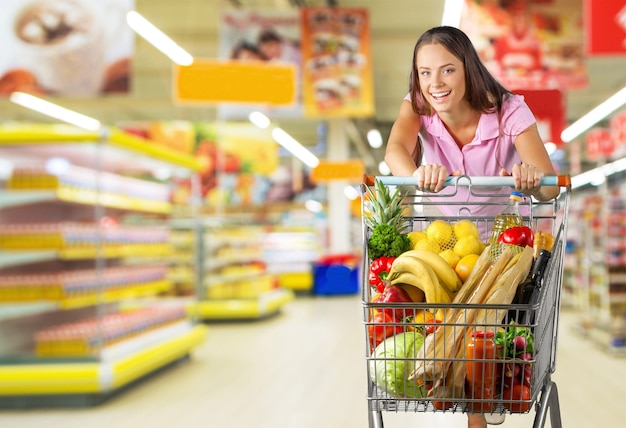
{"type": "Point", "coordinates": [516, 116]}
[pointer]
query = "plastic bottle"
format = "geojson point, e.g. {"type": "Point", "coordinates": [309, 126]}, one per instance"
{"type": "Point", "coordinates": [510, 216]}
{"type": "Point", "coordinates": [480, 371]}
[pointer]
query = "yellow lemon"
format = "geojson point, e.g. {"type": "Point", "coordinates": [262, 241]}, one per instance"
{"type": "Point", "coordinates": [415, 237]}
{"type": "Point", "coordinates": [465, 265]}
{"type": "Point", "coordinates": [465, 228]}
{"type": "Point", "coordinates": [468, 245]}
{"type": "Point", "coordinates": [441, 232]}
{"type": "Point", "coordinates": [450, 257]}
{"type": "Point", "coordinates": [428, 245]}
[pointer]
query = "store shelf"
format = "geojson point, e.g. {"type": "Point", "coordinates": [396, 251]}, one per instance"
{"type": "Point", "coordinates": [102, 377]}
{"type": "Point", "coordinates": [84, 220]}
{"type": "Point", "coordinates": [81, 146]}
{"type": "Point", "coordinates": [231, 309]}
{"type": "Point", "coordinates": [8, 258]}
{"type": "Point", "coordinates": [10, 198]}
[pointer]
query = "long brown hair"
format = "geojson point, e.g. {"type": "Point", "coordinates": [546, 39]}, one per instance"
{"type": "Point", "coordinates": [483, 92]}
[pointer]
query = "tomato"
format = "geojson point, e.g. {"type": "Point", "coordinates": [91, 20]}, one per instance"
{"type": "Point", "coordinates": [430, 328]}
{"type": "Point", "coordinates": [520, 395]}
{"type": "Point", "coordinates": [517, 235]}
{"type": "Point", "coordinates": [383, 327]}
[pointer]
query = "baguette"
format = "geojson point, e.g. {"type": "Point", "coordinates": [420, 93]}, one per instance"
{"type": "Point", "coordinates": [503, 291]}
{"type": "Point", "coordinates": [435, 355]}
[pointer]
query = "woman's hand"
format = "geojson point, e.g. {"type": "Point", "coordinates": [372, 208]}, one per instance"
{"type": "Point", "coordinates": [432, 177]}
{"type": "Point", "coordinates": [527, 178]}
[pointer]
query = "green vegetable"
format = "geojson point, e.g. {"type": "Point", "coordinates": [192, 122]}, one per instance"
{"type": "Point", "coordinates": [390, 369]}
{"type": "Point", "coordinates": [506, 340]}
{"type": "Point", "coordinates": [384, 216]}
{"type": "Point", "coordinates": [387, 241]}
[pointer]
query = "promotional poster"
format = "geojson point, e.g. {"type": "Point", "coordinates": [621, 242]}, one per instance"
{"type": "Point", "coordinates": [337, 64]}
{"type": "Point", "coordinates": [261, 37]}
{"type": "Point", "coordinates": [72, 48]}
{"type": "Point", "coordinates": [529, 44]}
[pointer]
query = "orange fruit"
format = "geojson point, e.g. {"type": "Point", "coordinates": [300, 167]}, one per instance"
{"type": "Point", "coordinates": [464, 267]}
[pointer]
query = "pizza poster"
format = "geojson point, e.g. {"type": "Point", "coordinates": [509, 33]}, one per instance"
{"type": "Point", "coordinates": [336, 62]}
{"type": "Point", "coordinates": [529, 44]}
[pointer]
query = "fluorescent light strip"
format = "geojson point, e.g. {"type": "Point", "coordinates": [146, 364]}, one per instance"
{"type": "Point", "coordinates": [452, 11]}
{"type": "Point", "coordinates": [259, 119]}
{"type": "Point", "coordinates": [591, 176]}
{"type": "Point", "coordinates": [158, 39]}
{"type": "Point", "coordinates": [594, 116]}
{"type": "Point", "coordinates": [56, 111]}
{"type": "Point", "coordinates": [297, 149]}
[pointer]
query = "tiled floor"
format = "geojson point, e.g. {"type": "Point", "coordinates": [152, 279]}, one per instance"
{"type": "Point", "coordinates": [305, 368]}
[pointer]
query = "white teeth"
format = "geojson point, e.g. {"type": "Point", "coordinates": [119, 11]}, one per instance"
{"type": "Point", "coordinates": [440, 94]}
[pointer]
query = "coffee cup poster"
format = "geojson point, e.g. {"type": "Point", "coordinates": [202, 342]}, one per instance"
{"type": "Point", "coordinates": [71, 48]}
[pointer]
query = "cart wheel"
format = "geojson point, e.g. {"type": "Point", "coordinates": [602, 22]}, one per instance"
{"type": "Point", "coordinates": [549, 400]}
{"type": "Point", "coordinates": [375, 419]}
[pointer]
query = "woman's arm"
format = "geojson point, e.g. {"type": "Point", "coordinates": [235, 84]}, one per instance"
{"type": "Point", "coordinates": [403, 150]}
{"type": "Point", "coordinates": [536, 164]}
{"type": "Point", "coordinates": [402, 141]}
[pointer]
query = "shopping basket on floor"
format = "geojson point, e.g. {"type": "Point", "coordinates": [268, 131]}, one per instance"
{"type": "Point", "coordinates": [417, 351]}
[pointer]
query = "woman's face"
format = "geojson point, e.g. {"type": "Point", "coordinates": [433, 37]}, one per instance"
{"type": "Point", "coordinates": [441, 78]}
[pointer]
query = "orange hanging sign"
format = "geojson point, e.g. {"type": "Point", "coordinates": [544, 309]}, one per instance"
{"type": "Point", "coordinates": [216, 81]}
{"type": "Point", "coordinates": [346, 170]}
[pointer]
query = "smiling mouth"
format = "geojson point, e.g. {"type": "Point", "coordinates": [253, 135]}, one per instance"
{"type": "Point", "coordinates": [440, 95]}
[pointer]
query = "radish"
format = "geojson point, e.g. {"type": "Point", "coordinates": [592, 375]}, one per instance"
{"type": "Point", "coordinates": [519, 343]}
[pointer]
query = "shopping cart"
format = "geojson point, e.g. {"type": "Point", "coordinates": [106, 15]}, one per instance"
{"type": "Point", "coordinates": [397, 333]}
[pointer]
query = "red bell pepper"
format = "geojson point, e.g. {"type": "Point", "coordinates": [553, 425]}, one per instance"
{"type": "Point", "coordinates": [517, 235]}
{"type": "Point", "coordinates": [379, 269]}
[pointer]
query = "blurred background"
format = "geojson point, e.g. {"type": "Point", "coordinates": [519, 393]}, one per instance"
{"type": "Point", "coordinates": [191, 246]}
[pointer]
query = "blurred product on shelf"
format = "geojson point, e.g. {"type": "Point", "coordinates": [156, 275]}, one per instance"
{"type": "Point", "coordinates": [85, 282]}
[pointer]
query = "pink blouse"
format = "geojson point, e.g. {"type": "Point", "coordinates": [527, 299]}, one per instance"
{"type": "Point", "coordinates": [491, 150]}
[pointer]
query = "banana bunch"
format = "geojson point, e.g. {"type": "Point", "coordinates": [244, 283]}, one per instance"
{"type": "Point", "coordinates": [426, 271]}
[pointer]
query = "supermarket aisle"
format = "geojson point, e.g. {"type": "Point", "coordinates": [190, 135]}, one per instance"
{"type": "Point", "coordinates": [305, 369]}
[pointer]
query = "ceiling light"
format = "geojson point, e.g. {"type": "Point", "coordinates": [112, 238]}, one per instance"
{"type": "Point", "coordinates": [550, 148]}
{"type": "Point", "coordinates": [297, 149]}
{"type": "Point", "coordinates": [383, 168]}
{"type": "Point", "coordinates": [374, 138]}
{"type": "Point", "coordinates": [259, 119]}
{"type": "Point", "coordinates": [351, 192]}
{"type": "Point", "coordinates": [313, 206]}
{"type": "Point", "coordinates": [158, 39]}
{"type": "Point", "coordinates": [594, 116]}
{"type": "Point", "coordinates": [56, 111]}
{"type": "Point", "coordinates": [452, 11]}
{"type": "Point", "coordinates": [591, 176]}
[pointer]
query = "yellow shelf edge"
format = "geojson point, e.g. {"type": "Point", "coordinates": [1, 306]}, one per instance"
{"type": "Point", "coordinates": [127, 141]}
{"type": "Point", "coordinates": [135, 366]}
{"type": "Point", "coordinates": [82, 378]}
{"type": "Point", "coordinates": [241, 308]}
{"type": "Point", "coordinates": [63, 134]}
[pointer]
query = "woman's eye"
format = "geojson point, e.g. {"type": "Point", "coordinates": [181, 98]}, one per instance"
{"type": "Point", "coordinates": [425, 73]}
{"type": "Point", "coordinates": [448, 70]}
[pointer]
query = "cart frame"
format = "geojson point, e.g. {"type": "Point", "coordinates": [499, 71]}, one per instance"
{"type": "Point", "coordinates": [541, 315]}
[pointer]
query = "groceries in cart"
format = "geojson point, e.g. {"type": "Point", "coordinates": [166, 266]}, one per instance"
{"type": "Point", "coordinates": [447, 308]}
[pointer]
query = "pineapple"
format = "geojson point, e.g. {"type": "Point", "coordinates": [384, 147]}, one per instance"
{"type": "Point", "coordinates": [384, 217]}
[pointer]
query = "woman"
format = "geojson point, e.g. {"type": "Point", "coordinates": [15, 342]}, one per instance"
{"type": "Point", "coordinates": [467, 123]}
